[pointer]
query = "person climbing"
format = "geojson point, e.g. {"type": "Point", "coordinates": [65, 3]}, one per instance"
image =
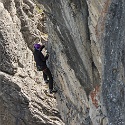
{"type": "Point", "coordinates": [41, 65]}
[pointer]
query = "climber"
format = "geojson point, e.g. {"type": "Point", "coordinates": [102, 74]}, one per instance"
{"type": "Point", "coordinates": [40, 60]}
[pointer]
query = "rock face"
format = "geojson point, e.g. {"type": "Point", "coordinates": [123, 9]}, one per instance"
{"type": "Point", "coordinates": [110, 41]}
{"type": "Point", "coordinates": [86, 42]}
{"type": "Point", "coordinates": [23, 99]}
{"type": "Point", "coordinates": [88, 59]}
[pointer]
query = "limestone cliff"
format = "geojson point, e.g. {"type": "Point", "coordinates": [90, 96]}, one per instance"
{"type": "Point", "coordinates": [86, 42]}
{"type": "Point", "coordinates": [23, 99]}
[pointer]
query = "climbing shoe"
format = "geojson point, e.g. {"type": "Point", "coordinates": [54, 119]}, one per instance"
{"type": "Point", "coordinates": [52, 91]}
{"type": "Point", "coordinates": [46, 81]}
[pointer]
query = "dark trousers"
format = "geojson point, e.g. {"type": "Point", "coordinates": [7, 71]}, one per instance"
{"type": "Point", "coordinates": [47, 73]}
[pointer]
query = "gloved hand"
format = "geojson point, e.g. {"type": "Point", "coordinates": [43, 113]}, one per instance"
{"type": "Point", "coordinates": [47, 54]}
{"type": "Point", "coordinates": [43, 46]}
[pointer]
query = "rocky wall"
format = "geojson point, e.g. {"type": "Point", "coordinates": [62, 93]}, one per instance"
{"type": "Point", "coordinates": [23, 99]}
{"type": "Point", "coordinates": [86, 45]}
{"type": "Point", "coordinates": [85, 48]}
{"type": "Point", "coordinates": [71, 59]}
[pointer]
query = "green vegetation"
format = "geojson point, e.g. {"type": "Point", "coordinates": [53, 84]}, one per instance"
{"type": "Point", "coordinates": [39, 10]}
{"type": "Point", "coordinates": [38, 7]}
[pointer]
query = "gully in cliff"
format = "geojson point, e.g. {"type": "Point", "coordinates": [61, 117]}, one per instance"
{"type": "Point", "coordinates": [40, 60]}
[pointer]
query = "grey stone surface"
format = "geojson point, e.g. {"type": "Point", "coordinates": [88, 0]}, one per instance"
{"type": "Point", "coordinates": [96, 58]}
{"type": "Point", "coordinates": [71, 60]}
{"type": "Point", "coordinates": [113, 63]}
{"type": "Point", "coordinates": [23, 94]}
{"type": "Point", "coordinates": [86, 45]}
